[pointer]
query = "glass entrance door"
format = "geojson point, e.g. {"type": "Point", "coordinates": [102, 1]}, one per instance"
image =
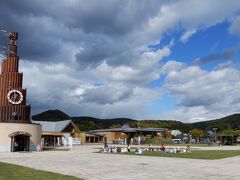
{"type": "Point", "coordinates": [20, 143]}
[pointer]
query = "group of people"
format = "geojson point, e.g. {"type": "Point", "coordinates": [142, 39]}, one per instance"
{"type": "Point", "coordinates": [114, 149]}
{"type": "Point", "coordinates": [150, 148]}
{"type": "Point", "coordinates": [162, 148]}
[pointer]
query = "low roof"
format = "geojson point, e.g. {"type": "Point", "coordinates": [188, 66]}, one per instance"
{"type": "Point", "coordinates": [128, 129]}
{"type": "Point", "coordinates": [94, 135]}
{"type": "Point", "coordinates": [58, 126]}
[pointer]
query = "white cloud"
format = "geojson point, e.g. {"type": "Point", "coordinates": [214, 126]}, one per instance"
{"type": "Point", "coordinates": [234, 28]}
{"type": "Point", "coordinates": [188, 16]}
{"type": "Point", "coordinates": [184, 38]}
{"type": "Point", "coordinates": [172, 66]}
{"type": "Point", "coordinates": [192, 114]}
{"type": "Point", "coordinates": [110, 91]}
{"type": "Point", "coordinates": [203, 95]}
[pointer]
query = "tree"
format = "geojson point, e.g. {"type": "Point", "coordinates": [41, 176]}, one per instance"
{"type": "Point", "coordinates": [196, 133]}
{"type": "Point", "coordinates": [230, 131]}
{"type": "Point", "coordinates": [116, 126]}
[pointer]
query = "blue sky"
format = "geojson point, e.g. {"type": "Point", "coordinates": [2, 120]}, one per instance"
{"type": "Point", "coordinates": [212, 40]}
{"type": "Point", "coordinates": [206, 41]}
{"type": "Point", "coordinates": [136, 59]}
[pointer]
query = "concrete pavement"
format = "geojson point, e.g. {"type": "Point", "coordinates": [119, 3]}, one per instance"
{"type": "Point", "coordinates": [82, 162]}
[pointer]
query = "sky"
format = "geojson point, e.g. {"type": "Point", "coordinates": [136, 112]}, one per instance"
{"type": "Point", "coordinates": [140, 59]}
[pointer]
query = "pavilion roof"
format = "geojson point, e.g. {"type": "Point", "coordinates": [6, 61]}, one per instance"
{"type": "Point", "coordinates": [57, 126]}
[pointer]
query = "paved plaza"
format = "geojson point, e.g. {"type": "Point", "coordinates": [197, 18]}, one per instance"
{"type": "Point", "coordinates": [82, 162]}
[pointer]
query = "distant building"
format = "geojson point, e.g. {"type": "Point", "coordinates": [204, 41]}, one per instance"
{"type": "Point", "coordinates": [94, 137]}
{"type": "Point", "coordinates": [228, 139]}
{"type": "Point", "coordinates": [176, 133]}
{"type": "Point", "coordinates": [124, 135]}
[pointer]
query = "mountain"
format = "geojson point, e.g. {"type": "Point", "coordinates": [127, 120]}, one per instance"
{"type": "Point", "coordinates": [89, 123]}
{"type": "Point", "coordinates": [228, 122]}
{"type": "Point", "coordinates": [51, 115]}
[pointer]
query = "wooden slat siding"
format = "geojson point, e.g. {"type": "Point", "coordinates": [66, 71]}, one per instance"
{"type": "Point", "coordinates": [11, 65]}
{"type": "Point", "coordinates": [19, 77]}
{"type": "Point", "coordinates": [8, 69]}
{"type": "Point", "coordinates": [23, 112]}
{"type": "Point", "coordinates": [5, 101]}
{"type": "Point", "coordinates": [1, 116]}
{"type": "Point", "coordinates": [2, 111]}
{"type": "Point", "coordinates": [1, 97]}
{"type": "Point", "coordinates": [9, 113]}
{"type": "Point", "coordinates": [11, 79]}
{"type": "Point", "coordinates": [22, 115]}
{"type": "Point", "coordinates": [4, 120]}
{"type": "Point", "coordinates": [5, 115]}
{"type": "Point", "coordinates": [24, 93]}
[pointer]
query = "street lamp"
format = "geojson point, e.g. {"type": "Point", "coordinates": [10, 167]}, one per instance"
{"type": "Point", "coordinates": [215, 134]}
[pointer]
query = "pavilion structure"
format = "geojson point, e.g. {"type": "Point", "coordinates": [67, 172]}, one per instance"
{"type": "Point", "coordinates": [228, 139]}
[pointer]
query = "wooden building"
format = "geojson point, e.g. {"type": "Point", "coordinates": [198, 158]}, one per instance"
{"type": "Point", "coordinates": [125, 134]}
{"type": "Point", "coordinates": [58, 133]}
{"type": "Point", "coordinates": [94, 138]}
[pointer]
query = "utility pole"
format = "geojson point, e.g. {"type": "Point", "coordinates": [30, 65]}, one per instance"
{"type": "Point", "coordinates": [215, 134]}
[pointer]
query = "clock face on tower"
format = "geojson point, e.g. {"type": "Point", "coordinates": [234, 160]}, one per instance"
{"type": "Point", "coordinates": [15, 97]}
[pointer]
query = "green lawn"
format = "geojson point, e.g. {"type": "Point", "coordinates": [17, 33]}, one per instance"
{"type": "Point", "coordinates": [192, 145]}
{"type": "Point", "coordinates": [12, 172]}
{"type": "Point", "coordinates": [196, 154]}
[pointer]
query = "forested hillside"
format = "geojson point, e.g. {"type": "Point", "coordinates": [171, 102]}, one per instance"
{"type": "Point", "coordinates": [90, 123]}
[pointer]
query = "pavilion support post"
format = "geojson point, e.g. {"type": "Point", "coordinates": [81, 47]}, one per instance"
{"type": "Point", "coordinates": [12, 144]}
{"type": "Point", "coordinates": [54, 141]}
{"type": "Point", "coordinates": [28, 143]}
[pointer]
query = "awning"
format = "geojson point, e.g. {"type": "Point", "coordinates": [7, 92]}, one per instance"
{"type": "Point", "coordinates": [19, 133]}
{"type": "Point", "coordinates": [94, 135]}
{"type": "Point", "coordinates": [49, 133]}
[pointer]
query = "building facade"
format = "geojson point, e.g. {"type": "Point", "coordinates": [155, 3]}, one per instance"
{"type": "Point", "coordinates": [127, 135]}
{"type": "Point", "coordinates": [17, 132]}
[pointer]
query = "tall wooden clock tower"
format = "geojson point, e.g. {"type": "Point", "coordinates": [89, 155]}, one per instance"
{"type": "Point", "coordinates": [13, 106]}
{"type": "Point", "coordinates": [17, 133]}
